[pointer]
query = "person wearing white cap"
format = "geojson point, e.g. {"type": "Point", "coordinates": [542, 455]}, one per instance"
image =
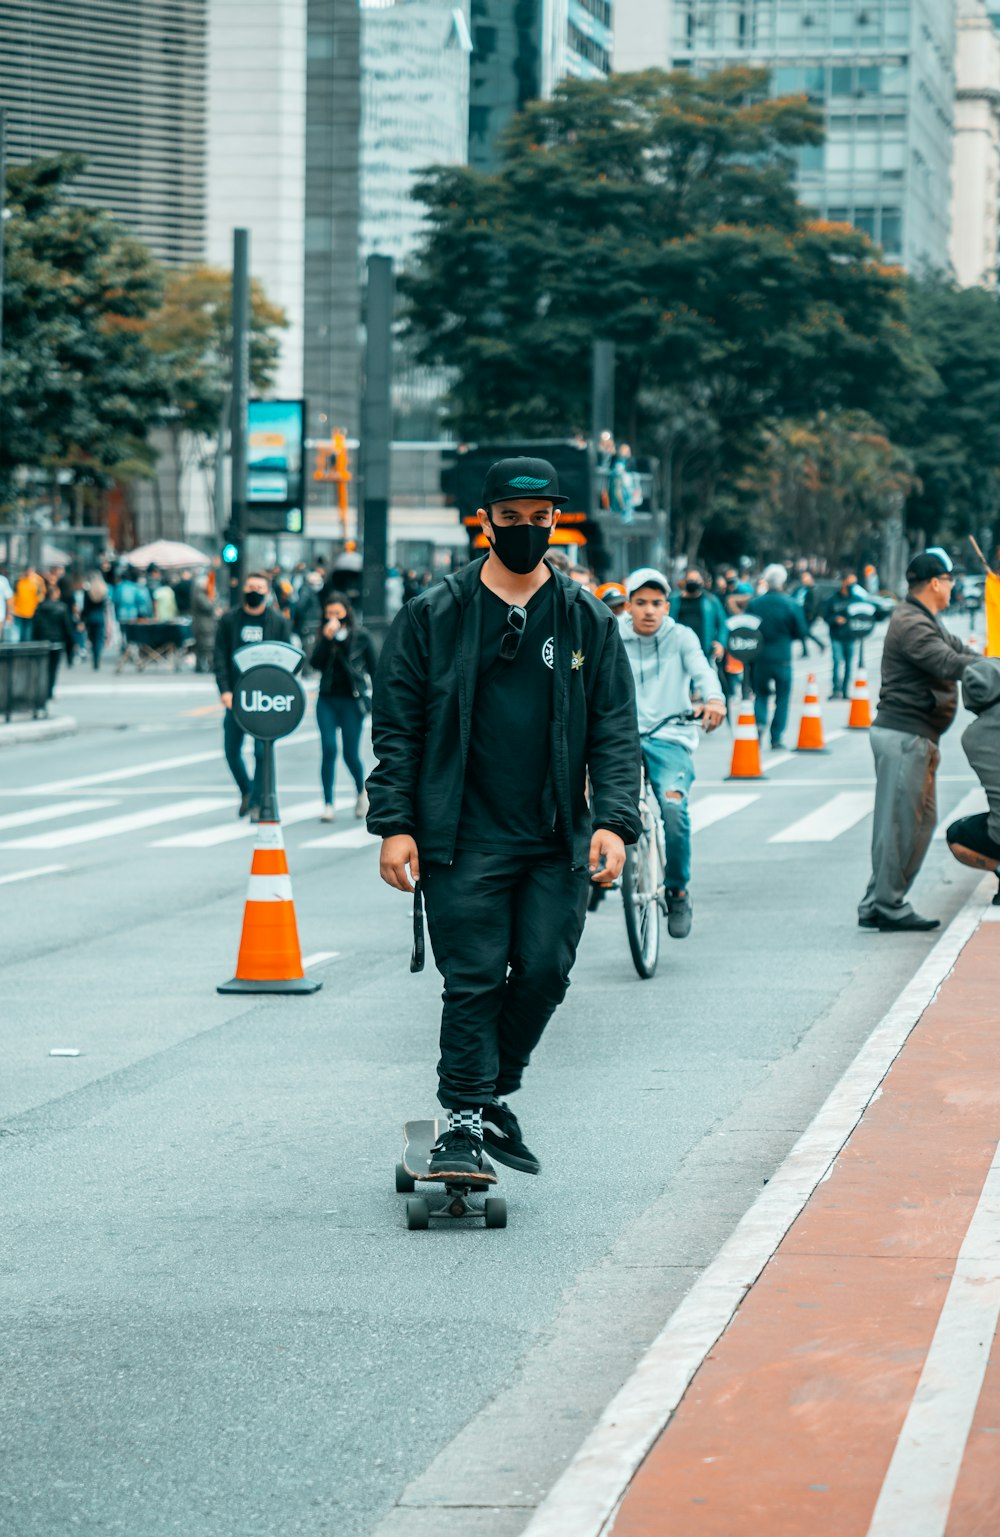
{"type": "Point", "coordinates": [666, 659]}
{"type": "Point", "coordinates": [781, 623]}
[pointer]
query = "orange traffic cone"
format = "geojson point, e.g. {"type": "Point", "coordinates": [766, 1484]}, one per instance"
{"type": "Point", "coordinates": [860, 717]}
{"type": "Point", "coordinates": [811, 725]}
{"type": "Point", "coordinates": [270, 960]}
{"type": "Point", "coordinates": [746, 745]}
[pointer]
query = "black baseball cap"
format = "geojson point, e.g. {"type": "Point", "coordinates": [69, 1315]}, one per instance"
{"type": "Point", "coordinates": [510, 480]}
{"type": "Point", "coordinates": [923, 568]}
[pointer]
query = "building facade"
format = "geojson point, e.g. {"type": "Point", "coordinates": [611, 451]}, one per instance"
{"type": "Point", "coordinates": [414, 111]}
{"type": "Point", "coordinates": [521, 50]}
{"type": "Point", "coordinates": [883, 73]}
{"type": "Point", "coordinates": [125, 86]}
{"type": "Point", "coordinates": [976, 165]}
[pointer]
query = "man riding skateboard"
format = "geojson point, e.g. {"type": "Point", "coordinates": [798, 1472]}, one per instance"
{"type": "Point", "coordinates": [499, 691]}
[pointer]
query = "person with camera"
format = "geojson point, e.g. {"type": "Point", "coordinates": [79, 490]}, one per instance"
{"type": "Point", "coordinates": [498, 692]}
{"type": "Point", "coordinates": [344, 657]}
{"type": "Point", "coordinates": [253, 621]}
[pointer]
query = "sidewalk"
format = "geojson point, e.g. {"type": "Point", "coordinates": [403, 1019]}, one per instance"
{"type": "Point", "coordinates": [43, 729]}
{"type": "Point", "coordinates": [845, 1382]}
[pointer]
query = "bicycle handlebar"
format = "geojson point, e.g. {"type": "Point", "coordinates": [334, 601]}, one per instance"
{"type": "Point", "coordinates": [682, 718]}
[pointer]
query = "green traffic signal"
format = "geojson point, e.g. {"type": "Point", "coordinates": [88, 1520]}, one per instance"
{"type": "Point", "coordinates": [230, 554]}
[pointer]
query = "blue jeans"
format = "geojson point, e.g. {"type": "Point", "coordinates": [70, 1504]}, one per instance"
{"type": "Point", "coordinates": [232, 737]}
{"type": "Point", "coordinates": [670, 771]}
{"type": "Point", "coordinates": [764, 675]}
{"type": "Point", "coordinates": [335, 712]}
{"type": "Point", "coordinates": [25, 628]}
{"type": "Point", "coordinates": [843, 657]}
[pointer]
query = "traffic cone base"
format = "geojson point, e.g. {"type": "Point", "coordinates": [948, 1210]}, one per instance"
{"type": "Point", "coordinates": [811, 725]}
{"type": "Point", "coordinates": [860, 717]}
{"type": "Point", "coordinates": [746, 746]}
{"type": "Point", "coordinates": [270, 960]}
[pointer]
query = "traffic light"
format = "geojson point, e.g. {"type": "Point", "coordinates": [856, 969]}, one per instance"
{"type": "Point", "coordinates": [230, 553]}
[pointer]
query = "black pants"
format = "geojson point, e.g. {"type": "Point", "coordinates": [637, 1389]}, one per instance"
{"type": "Point", "coordinates": [485, 913]}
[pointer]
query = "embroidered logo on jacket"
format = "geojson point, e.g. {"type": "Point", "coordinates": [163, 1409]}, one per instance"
{"type": "Point", "coordinates": [578, 660]}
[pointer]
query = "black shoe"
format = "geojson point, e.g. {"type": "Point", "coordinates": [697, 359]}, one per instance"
{"type": "Point", "coordinates": [679, 914]}
{"type": "Point", "coordinates": [457, 1155]}
{"type": "Point", "coordinates": [255, 813]}
{"type": "Point", "coordinates": [912, 923]}
{"type": "Point", "coordinates": [244, 803]}
{"type": "Point", "coordinates": [502, 1136]}
{"type": "Point", "coordinates": [778, 746]}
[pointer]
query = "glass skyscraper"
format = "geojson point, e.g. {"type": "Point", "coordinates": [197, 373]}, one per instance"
{"type": "Point", "coordinates": [883, 73]}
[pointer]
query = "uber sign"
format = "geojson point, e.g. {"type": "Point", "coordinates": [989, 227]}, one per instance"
{"type": "Point", "coordinates": [268, 701]}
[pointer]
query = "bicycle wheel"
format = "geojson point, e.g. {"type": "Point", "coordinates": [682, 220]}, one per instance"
{"type": "Point", "coordinates": [642, 906]}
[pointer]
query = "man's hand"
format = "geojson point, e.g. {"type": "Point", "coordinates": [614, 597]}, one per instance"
{"type": "Point", "coordinates": [609, 847]}
{"type": "Point", "coordinates": [227, 701]}
{"type": "Point", "coordinates": [711, 714]}
{"type": "Point", "coordinates": [718, 651]}
{"type": "Point", "coordinates": [397, 853]}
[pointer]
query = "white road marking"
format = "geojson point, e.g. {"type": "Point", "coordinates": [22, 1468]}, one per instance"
{"type": "Point", "coordinates": [231, 832]}
{"type": "Point", "coordinates": [920, 1484]}
{"type": "Point", "coordinates": [29, 875]}
{"type": "Point", "coordinates": [158, 766]}
{"type": "Point", "coordinates": [714, 808]}
{"type": "Point", "coordinates": [110, 827]}
{"type": "Point", "coordinates": [968, 806]}
{"type": "Point", "coordinates": [829, 820]}
{"type": "Point", "coordinates": [587, 1495]}
{"type": "Point", "coordinates": [319, 958]}
{"type": "Point", "coordinates": [51, 813]}
{"type": "Point", "coordinates": [351, 838]}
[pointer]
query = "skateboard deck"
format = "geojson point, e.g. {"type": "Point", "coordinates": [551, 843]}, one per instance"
{"type": "Point", "coordinates": [419, 1138]}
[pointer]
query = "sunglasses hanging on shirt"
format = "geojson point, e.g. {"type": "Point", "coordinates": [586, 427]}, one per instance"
{"type": "Point", "coordinates": [517, 618]}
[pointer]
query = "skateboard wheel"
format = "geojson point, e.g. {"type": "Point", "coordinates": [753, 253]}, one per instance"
{"type": "Point", "coordinates": [405, 1183]}
{"type": "Point", "coordinates": [418, 1215]}
{"type": "Point", "coordinates": [496, 1211]}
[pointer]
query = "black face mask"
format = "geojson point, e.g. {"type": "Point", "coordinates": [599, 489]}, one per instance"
{"type": "Point", "coordinates": [520, 547]}
{"type": "Point", "coordinates": [693, 589]}
{"type": "Point", "coordinates": [254, 600]}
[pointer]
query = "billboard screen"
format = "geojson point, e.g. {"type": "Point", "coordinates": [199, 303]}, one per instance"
{"type": "Point", "coordinates": [275, 465]}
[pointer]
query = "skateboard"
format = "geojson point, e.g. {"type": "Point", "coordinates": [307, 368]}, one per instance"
{"type": "Point", "coordinates": [419, 1137]}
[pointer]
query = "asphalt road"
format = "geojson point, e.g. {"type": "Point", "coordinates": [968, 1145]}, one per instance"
{"type": "Point", "coordinates": [213, 1318]}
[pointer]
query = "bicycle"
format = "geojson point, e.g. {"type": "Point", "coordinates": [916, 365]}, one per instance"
{"type": "Point", "coordinates": [643, 889]}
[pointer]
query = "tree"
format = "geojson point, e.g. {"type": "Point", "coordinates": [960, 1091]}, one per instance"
{"type": "Point", "coordinates": [822, 485]}
{"type": "Point", "coordinates": [80, 387]}
{"type": "Point", "coordinates": [952, 425]}
{"type": "Point", "coordinates": [657, 210]}
{"type": "Point", "coordinates": [191, 335]}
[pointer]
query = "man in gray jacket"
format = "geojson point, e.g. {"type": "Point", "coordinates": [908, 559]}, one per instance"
{"type": "Point", "coordinates": [921, 665]}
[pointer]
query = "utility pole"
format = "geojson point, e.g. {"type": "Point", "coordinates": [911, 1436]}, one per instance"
{"type": "Point", "coordinates": [241, 409]}
{"type": "Point", "coordinates": [376, 437]}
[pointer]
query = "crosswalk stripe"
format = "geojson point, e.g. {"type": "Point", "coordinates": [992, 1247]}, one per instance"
{"type": "Point", "coordinates": [109, 827]}
{"type": "Point", "coordinates": [968, 806]}
{"type": "Point", "coordinates": [231, 832]}
{"type": "Point", "coordinates": [828, 821]}
{"type": "Point", "coordinates": [352, 838]}
{"type": "Point", "coordinates": [51, 813]}
{"type": "Point", "coordinates": [714, 808]}
{"type": "Point", "coordinates": [29, 875]}
{"type": "Point", "coordinates": [160, 765]}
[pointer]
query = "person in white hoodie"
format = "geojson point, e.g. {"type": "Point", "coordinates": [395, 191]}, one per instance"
{"type": "Point", "coordinates": [666, 660]}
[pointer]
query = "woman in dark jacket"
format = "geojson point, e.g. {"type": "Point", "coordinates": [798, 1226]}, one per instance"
{"type": "Point", "coordinates": [344, 657]}
{"type": "Point", "coordinates": [53, 624]}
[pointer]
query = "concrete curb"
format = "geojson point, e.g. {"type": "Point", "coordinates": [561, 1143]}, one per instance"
{"type": "Point", "coordinates": [15, 731]}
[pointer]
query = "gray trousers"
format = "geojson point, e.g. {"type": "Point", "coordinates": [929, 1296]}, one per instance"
{"type": "Point", "coordinates": [905, 818]}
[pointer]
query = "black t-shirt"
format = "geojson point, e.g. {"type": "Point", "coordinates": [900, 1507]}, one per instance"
{"type": "Point", "coordinates": [504, 802]}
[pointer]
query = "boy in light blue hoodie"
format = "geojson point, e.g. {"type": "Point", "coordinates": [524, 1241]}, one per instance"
{"type": "Point", "coordinates": [666, 660]}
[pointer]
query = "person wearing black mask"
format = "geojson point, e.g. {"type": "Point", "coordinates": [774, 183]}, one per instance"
{"type": "Point", "coordinates": [252, 621]}
{"type": "Point", "coordinates": [498, 691]}
{"type": "Point", "coordinates": [702, 612]}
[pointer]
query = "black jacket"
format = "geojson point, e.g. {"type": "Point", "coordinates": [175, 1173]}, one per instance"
{"type": "Point", "coordinates": [781, 622]}
{"type": "Point", "coordinates": [424, 699]}
{"type": "Point", "coordinates": [354, 657]}
{"type": "Point", "coordinates": [228, 639]}
{"type": "Point", "coordinates": [921, 663]}
{"type": "Point", "coordinates": [53, 623]}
